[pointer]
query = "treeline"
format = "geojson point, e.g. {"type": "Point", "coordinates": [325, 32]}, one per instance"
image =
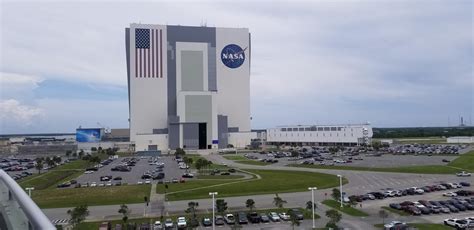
{"type": "Point", "coordinates": [423, 132]}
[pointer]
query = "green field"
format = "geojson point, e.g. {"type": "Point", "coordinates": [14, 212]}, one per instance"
{"type": "Point", "coordinates": [465, 162]}
{"type": "Point", "coordinates": [398, 212]}
{"type": "Point", "coordinates": [345, 209]}
{"type": "Point", "coordinates": [71, 197]}
{"type": "Point", "coordinates": [48, 179]}
{"type": "Point", "coordinates": [252, 162]}
{"type": "Point", "coordinates": [271, 182]}
{"type": "Point", "coordinates": [223, 177]}
{"type": "Point", "coordinates": [235, 157]}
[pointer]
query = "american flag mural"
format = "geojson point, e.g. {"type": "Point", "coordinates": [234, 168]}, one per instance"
{"type": "Point", "coordinates": [148, 53]}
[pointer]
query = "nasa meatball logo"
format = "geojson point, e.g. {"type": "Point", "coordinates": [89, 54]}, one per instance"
{"type": "Point", "coordinates": [233, 56]}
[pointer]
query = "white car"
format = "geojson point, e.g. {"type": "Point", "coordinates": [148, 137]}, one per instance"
{"type": "Point", "coordinates": [470, 221]}
{"type": "Point", "coordinates": [157, 225]}
{"type": "Point", "coordinates": [390, 193]}
{"type": "Point", "coordinates": [463, 174]}
{"type": "Point", "coordinates": [183, 166]}
{"type": "Point", "coordinates": [93, 184]}
{"type": "Point", "coordinates": [457, 223]}
{"type": "Point", "coordinates": [394, 224]}
{"type": "Point", "coordinates": [284, 216]}
{"type": "Point", "coordinates": [418, 190]}
{"type": "Point", "coordinates": [455, 185]}
{"type": "Point", "coordinates": [181, 223]}
{"type": "Point", "coordinates": [88, 172]}
{"type": "Point", "coordinates": [140, 182]}
{"type": "Point", "coordinates": [274, 217]}
{"type": "Point", "coordinates": [450, 194]}
{"type": "Point", "coordinates": [147, 182]}
{"type": "Point", "coordinates": [169, 223]}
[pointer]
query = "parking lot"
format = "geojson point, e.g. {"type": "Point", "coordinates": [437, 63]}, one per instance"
{"type": "Point", "coordinates": [171, 170]}
{"type": "Point", "coordinates": [364, 160]}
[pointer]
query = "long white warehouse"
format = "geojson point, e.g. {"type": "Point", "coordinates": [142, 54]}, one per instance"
{"type": "Point", "coordinates": [350, 134]}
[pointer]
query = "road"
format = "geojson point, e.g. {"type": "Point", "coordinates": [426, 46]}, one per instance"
{"type": "Point", "coordinates": [360, 182]}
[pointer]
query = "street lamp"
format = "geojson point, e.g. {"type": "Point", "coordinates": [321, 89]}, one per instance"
{"type": "Point", "coordinates": [340, 187]}
{"type": "Point", "coordinates": [213, 194]}
{"type": "Point", "coordinates": [29, 190]}
{"type": "Point", "coordinates": [312, 202]}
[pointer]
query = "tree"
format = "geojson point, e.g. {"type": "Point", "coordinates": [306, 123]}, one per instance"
{"type": "Point", "coordinates": [78, 214]}
{"type": "Point", "coordinates": [68, 153]}
{"type": "Point", "coordinates": [179, 152]}
{"type": "Point", "coordinates": [336, 194]}
{"type": "Point", "coordinates": [383, 214]}
{"type": "Point", "coordinates": [93, 149]}
{"type": "Point", "coordinates": [188, 161]}
{"type": "Point", "coordinates": [376, 145]}
{"type": "Point", "coordinates": [278, 201]}
{"type": "Point", "coordinates": [200, 163]}
{"type": "Point", "coordinates": [57, 159]}
{"type": "Point", "coordinates": [294, 219]}
{"type": "Point", "coordinates": [81, 153]}
{"type": "Point", "coordinates": [309, 204]}
{"type": "Point", "coordinates": [50, 162]}
{"type": "Point", "coordinates": [221, 206]}
{"type": "Point", "coordinates": [95, 159]}
{"type": "Point", "coordinates": [334, 217]}
{"type": "Point", "coordinates": [294, 153]}
{"type": "Point", "coordinates": [39, 164]}
{"type": "Point", "coordinates": [192, 209]}
{"type": "Point", "coordinates": [125, 212]}
{"type": "Point", "coordinates": [250, 204]}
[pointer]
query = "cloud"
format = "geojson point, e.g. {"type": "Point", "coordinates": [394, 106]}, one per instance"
{"type": "Point", "coordinates": [21, 115]}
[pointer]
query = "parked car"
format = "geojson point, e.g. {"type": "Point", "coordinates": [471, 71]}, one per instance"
{"type": "Point", "coordinates": [284, 216]}
{"type": "Point", "coordinates": [253, 217]}
{"type": "Point", "coordinates": [395, 206]}
{"type": "Point", "coordinates": [463, 174]}
{"type": "Point", "coordinates": [157, 225]}
{"type": "Point", "coordinates": [181, 222]}
{"type": "Point", "coordinates": [206, 222]}
{"type": "Point", "coordinates": [274, 217]}
{"type": "Point", "coordinates": [219, 220]}
{"type": "Point", "coordinates": [450, 194]}
{"type": "Point", "coordinates": [169, 224]}
{"type": "Point", "coordinates": [242, 218]}
{"type": "Point", "coordinates": [264, 218]}
{"type": "Point", "coordinates": [457, 223]}
{"type": "Point", "coordinates": [229, 219]}
{"type": "Point", "coordinates": [297, 213]}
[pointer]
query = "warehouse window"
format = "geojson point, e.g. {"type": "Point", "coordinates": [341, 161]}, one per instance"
{"type": "Point", "coordinates": [339, 128]}
{"type": "Point", "coordinates": [333, 129]}
{"type": "Point", "coordinates": [283, 129]}
{"type": "Point", "coordinates": [313, 128]}
{"type": "Point", "coordinates": [307, 129]}
{"type": "Point", "coordinates": [295, 129]}
{"type": "Point", "coordinates": [301, 129]}
{"type": "Point", "coordinates": [326, 128]}
{"type": "Point", "coordinates": [320, 128]}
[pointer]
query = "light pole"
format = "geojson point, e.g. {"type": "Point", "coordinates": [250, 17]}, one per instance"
{"type": "Point", "coordinates": [29, 190]}
{"type": "Point", "coordinates": [312, 202]}
{"type": "Point", "coordinates": [213, 194]}
{"type": "Point", "coordinates": [340, 187]}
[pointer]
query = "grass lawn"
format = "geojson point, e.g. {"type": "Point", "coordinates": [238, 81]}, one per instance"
{"type": "Point", "coordinates": [251, 162]}
{"type": "Point", "coordinates": [234, 157]}
{"type": "Point", "coordinates": [47, 179]}
{"type": "Point", "coordinates": [398, 212]}
{"type": "Point", "coordinates": [71, 197]}
{"type": "Point", "coordinates": [422, 169]}
{"type": "Point", "coordinates": [273, 181]}
{"type": "Point", "coordinates": [160, 188]}
{"type": "Point", "coordinates": [465, 161]}
{"type": "Point", "coordinates": [224, 177]}
{"type": "Point", "coordinates": [346, 209]}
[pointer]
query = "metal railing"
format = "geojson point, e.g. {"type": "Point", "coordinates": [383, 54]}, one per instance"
{"type": "Point", "coordinates": [17, 208]}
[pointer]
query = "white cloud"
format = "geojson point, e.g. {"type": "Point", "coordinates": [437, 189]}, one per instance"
{"type": "Point", "coordinates": [21, 115]}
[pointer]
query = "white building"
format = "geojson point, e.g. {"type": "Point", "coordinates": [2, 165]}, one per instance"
{"type": "Point", "coordinates": [460, 140]}
{"type": "Point", "coordinates": [352, 134]}
{"type": "Point", "coordinates": [189, 87]}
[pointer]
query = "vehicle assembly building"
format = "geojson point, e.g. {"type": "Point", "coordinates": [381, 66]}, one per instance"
{"type": "Point", "coordinates": [188, 87]}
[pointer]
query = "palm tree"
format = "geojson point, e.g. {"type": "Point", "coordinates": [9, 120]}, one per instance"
{"type": "Point", "coordinates": [278, 201]}
{"type": "Point", "coordinates": [39, 164]}
{"type": "Point", "coordinates": [250, 203]}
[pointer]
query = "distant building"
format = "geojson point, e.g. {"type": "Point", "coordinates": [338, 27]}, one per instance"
{"type": "Point", "coordinates": [189, 87]}
{"type": "Point", "coordinates": [351, 134]}
{"type": "Point", "coordinates": [460, 140]}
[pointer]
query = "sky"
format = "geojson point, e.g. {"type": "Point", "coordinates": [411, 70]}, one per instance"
{"type": "Point", "coordinates": [392, 63]}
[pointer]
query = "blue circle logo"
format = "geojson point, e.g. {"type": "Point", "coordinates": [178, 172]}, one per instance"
{"type": "Point", "coordinates": [233, 56]}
